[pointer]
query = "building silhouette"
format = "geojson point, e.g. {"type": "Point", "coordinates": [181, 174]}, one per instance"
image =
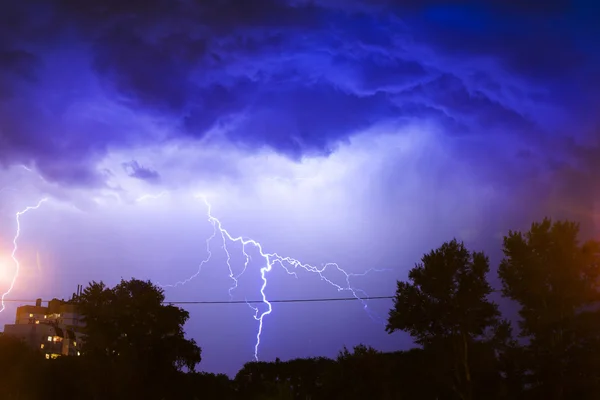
{"type": "Point", "coordinates": [55, 330]}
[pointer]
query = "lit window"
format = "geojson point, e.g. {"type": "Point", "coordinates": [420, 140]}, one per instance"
{"type": "Point", "coordinates": [30, 315]}
{"type": "Point", "coordinates": [47, 356]}
{"type": "Point", "coordinates": [42, 346]}
{"type": "Point", "coordinates": [49, 338]}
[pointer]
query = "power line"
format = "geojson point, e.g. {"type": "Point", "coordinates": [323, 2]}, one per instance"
{"type": "Point", "coordinates": [208, 302]}
{"type": "Point", "coordinates": [313, 300]}
{"type": "Point", "coordinates": [281, 300]}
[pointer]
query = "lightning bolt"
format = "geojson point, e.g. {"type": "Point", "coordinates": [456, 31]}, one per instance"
{"type": "Point", "coordinates": [150, 196]}
{"type": "Point", "coordinates": [7, 188]}
{"type": "Point", "coordinates": [15, 248]}
{"type": "Point", "coordinates": [289, 264]}
{"type": "Point", "coordinates": [26, 168]}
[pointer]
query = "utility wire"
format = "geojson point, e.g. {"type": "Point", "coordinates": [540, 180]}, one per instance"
{"type": "Point", "coordinates": [314, 300]}
{"type": "Point", "coordinates": [281, 300]}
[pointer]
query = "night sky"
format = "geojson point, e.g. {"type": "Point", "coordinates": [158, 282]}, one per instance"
{"type": "Point", "coordinates": [358, 132]}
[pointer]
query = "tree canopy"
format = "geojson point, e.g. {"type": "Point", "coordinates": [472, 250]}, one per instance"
{"type": "Point", "coordinates": [554, 279]}
{"type": "Point", "coordinates": [445, 305]}
{"type": "Point", "coordinates": [129, 326]}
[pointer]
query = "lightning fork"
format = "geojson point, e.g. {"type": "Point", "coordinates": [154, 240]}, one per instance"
{"type": "Point", "coordinates": [270, 260]}
{"type": "Point", "coordinates": [15, 248]}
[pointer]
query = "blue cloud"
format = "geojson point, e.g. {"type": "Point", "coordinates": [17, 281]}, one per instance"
{"type": "Point", "coordinates": [135, 170]}
{"type": "Point", "coordinates": [298, 77]}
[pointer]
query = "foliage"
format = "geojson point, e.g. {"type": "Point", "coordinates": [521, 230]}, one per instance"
{"type": "Point", "coordinates": [445, 306]}
{"type": "Point", "coordinates": [554, 279]}
{"type": "Point", "coordinates": [366, 369]}
{"type": "Point", "coordinates": [299, 377]}
{"type": "Point", "coordinates": [360, 373]}
{"type": "Point", "coordinates": [447, 296]}
{"type": "Point", "coordinates": [129, 330]}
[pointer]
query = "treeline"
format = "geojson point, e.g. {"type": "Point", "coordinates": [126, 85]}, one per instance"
{"type": "Point", "coordinates": [362, 373]}
{"type": "Point", "coordinates": [136, 349]}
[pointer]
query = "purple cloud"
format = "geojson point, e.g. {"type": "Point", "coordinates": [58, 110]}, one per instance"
{"type": "Point", "coordinates": [135, 170]}
{"type": "Point", "coordinates": [364, 132]}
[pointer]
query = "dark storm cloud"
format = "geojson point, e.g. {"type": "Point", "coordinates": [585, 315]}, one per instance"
{"type": "Point", "coordinates": [149, 74]}
{"type": "Point", "coordinates": [296, 76]}
{"type": "Point", "coordinates": [313, 117]}
{"type": "Point", "coordinates": [475, 108]}
{"type": "Point", "coordinates": [537, 46]}
{"type": "Point", "coordinates": [17, 64]}
{"type": "Point", "coordinates": [135, 170]}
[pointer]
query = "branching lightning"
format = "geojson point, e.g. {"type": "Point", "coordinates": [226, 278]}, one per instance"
{"type": "Point", "coordinates": [15, 248]}
{"type": "Point", "coordinates": [289, 264]}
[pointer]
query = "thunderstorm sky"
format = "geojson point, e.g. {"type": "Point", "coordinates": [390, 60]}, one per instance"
{"type": "Point", "coordinates": [358, 132]}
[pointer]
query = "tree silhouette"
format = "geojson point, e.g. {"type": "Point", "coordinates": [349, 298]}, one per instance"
{"type": "Point", "coordinates": [445, 307]}
{"type": "Point", "coordinates": [554, 279]}
{"type": "Point", "coordinates": [129, 330]}
{"type": "Point", "coordinates": [300, 378]}
{"type": "Point", "coordinates": [366, 368]}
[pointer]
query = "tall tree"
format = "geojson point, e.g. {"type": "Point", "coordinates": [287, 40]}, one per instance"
{"type": "Point", "coordinates": [554, 279]}
{"type": "Point", "coordinates": [130, 328]}
{"type": "Point", "coordinates": [445, 306]}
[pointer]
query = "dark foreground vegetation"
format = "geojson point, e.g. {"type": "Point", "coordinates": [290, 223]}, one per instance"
{"type": "Point", "coordinates": [136, 349]}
